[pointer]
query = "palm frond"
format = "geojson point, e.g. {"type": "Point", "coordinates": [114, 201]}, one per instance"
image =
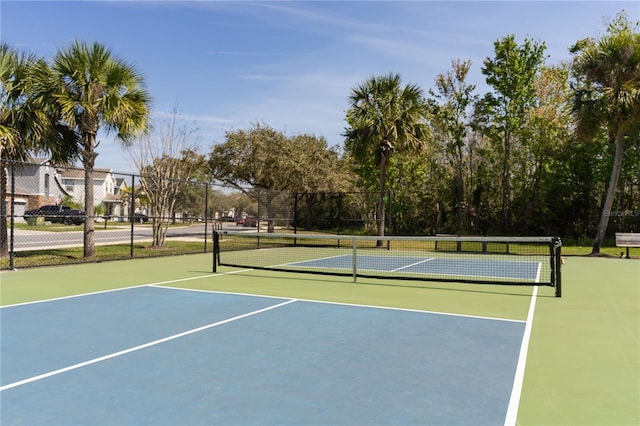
{"type": "Point", "coordinates": [384, 116]}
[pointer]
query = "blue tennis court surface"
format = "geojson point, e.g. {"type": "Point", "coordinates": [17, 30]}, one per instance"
{"type": "Point", "coordinates": [152, 355]}
{"type": "Point", "coordinates": [460, 267]}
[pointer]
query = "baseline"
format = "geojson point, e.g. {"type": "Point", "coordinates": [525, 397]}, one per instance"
{"type": "Point", "coordinates": [159, 283]}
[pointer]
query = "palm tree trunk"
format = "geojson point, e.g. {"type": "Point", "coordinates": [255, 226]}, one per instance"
{"type": "Point", "coordinates": [88, 161]}
{"type": "Point", "coordinates": [89, 208]}
{"type": "Point", "coordinates": [611, 191]}
{"type": "Point", "coordinates": [381, 202]}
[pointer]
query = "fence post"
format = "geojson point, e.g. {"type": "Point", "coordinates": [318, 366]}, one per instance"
{"type": "Point", "coordinates": [132, 210]}
{"type": "Point", "coordinates": [12, 221]}
{"type": "Point", "coordinates": [339, 212]}
{"type": "Point", "coordinates": [295, 212]}
{"type": "Point", "coordinates": [206, 206]}
{"type": "Point", "coordinates": [259, 213]}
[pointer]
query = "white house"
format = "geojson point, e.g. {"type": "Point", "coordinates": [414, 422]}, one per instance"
{"type": "Point", "coordinates": [105, 186]}
{"type": "Point", "coordinates": [36, 184]}
{"type": "Point", "coordinates": [39, 182]}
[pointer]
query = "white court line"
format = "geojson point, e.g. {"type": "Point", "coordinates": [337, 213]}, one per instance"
{"type": "Point", "coordinates": [357, 305]}
{"type": "Point", "coordinates": [73, 296]}
{"type": "Point", "coordinates": [413, 264]}
{"type": "Point", "coordinates": [312, 260]}
{"type": "Point", "coordinates": [539, 272]}
{"type": "Point", "coordinates": [516, 391]}
{"type": "Point", "coordinates": [137, 348]}
{"type": "Point", "coordinates": [123, 288]}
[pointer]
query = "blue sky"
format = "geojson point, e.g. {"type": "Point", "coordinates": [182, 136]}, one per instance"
{"type": "Point", "coordinates": [290, 64]}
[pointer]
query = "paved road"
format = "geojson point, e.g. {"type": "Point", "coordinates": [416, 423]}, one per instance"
{"type": "Point", "coordinates": [25, 239]}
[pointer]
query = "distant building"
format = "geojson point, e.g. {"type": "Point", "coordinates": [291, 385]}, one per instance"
{"type": "Point", "coordinates": [38, 182]}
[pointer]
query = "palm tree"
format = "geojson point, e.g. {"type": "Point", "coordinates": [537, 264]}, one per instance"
{"type": "Point", "coordinates": [27, 126]}
{"type": "Point", "coordinates": [609, 97]}
{"type": "Point", "coordinates": [385, 117]}
{"type": "Point", "coordinates": [18, 118]}
{"type": "Point", "coordinates": [11, 69]}
{"type": "Point", "coordinates": [95, 90]}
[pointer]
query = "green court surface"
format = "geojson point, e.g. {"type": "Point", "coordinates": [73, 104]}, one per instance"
{"type": "Point", "coordinates": [583, 361]}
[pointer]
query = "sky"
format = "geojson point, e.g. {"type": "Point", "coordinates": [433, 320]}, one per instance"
{"type": "Point", "coordinates": [227, 65]}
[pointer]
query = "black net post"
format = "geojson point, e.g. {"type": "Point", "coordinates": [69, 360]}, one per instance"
{"type": "Point", "coordinates": [354, 255]}
{"type": "Point", "coordinates": [216, 251]}
{"type": "Point", "coordinates": [558, 260]}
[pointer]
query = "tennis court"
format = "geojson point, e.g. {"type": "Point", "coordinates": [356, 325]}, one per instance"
{"type": "Point", "coordinates": [168, 342]}
{"type": "Point", "coordinates": [151, 355]}
{"type": "Point", "coordinates": [477, 268]}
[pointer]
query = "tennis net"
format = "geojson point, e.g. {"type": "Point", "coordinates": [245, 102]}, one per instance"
{"type": "Point", "coordinates": [496, 260]}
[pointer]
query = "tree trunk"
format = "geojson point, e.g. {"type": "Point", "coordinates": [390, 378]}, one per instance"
{"type": "Point", "coordinates": [89, 209]}
{"type": "Point", "coordinates": [309, 212]}
{"type": "Point", "coordinates": [460, 202]}
{"type": "Point", "coordinates": [380, 219]}
{"type": "Point", "coordinates": [506, 183]}
{"type": "Point", "coordinates": [88, 161]}
{"type": "Point", "coordinates": [611, 191]}
{"type": "Point", "coordinates": [160, 228]}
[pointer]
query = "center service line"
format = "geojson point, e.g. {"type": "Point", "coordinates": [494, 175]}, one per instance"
{"type": "Point", "coordinates": [137, 348]}
{"type": "Point", "coordinates": [413, 264]}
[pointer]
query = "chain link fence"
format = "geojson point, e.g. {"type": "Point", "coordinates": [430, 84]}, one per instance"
{"type": "Point", "coordinates": [44, 221]}
{"type": "Point", "coordinates": [338, 213]}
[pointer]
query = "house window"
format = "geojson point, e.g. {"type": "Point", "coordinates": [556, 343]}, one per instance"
{"type": "Point", "coordinates": [68, 185]}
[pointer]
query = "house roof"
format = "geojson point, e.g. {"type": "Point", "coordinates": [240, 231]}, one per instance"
{"type": "Point", "coordinates": [38, 160]}
{"type": "Point", "coordinates": [43, 160]}
{"type": "Point", "coordinates": [71, 172]}
{"type": "Point", "coordinates": [111, 198]}
{"type": "Point", "coordinates": [79, 173]}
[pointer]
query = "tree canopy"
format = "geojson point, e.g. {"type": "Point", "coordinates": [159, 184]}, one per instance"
{"type": "Point", "coordinates": [265, 158]}
{"type": "Point", "coordinates": [608, 97]}
{"type": "Point", "coordinates": [385, 116]}
{"type": "Point", "coordinates": [93, 88]}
